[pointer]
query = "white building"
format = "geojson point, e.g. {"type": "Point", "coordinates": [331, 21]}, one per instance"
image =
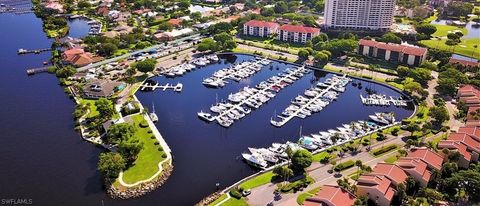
{"type": "Point", "coordinates": [259, 28]}
{"type": "Point", "coordinates": [359, 14]}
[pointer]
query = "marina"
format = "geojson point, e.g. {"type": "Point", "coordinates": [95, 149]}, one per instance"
{"type": "Point", "coordinates": [33, 51]}
{"type": "Point", "coordinates": [317, 98]}
{"type": "Point", "coordinates": [235, 72]}
{"type": "Point", "coordinates": [383, 100]}
{"type": "Point", "coordinates": [37, 70]}
{"type": "Point", "coordinates": [318, 142]}
{"type": "Point", "coordinates": [196, 63]}
{"type": "Point", "coordinates": [253, 98]}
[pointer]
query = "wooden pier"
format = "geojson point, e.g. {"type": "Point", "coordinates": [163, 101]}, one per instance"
{"type": "Point", "coordinates": [177, 88]}
{"type": "Point", "coordinates": [34, 51]}
{"type": "Point", "coordinates": [37, 70]}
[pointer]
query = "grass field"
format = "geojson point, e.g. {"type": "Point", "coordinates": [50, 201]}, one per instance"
{"type": "Point", "coordinates": [235, 202]}
{"type": "Point", "coordinates": [392, 159]}
{"type": "Point", "coordinates": [91, 107]}
{"type": "Point", "coordinates": [224, 196]}
{"type": "Point", "coordinates": [465, 47]}
{"type": "Point", "coordinates": [302, 197]}
{"type": "Point", "coordinates": [258, 180]}
{"type": "Point", "coordinates": [146, 164]}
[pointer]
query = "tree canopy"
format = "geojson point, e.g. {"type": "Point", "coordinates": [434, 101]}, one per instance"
{"type": "Point", "coordinates": [301, 159]}
{"type": "Point", "coordinates": [146, 65]}
{"type": "Point", "coordinates": [110, 164]}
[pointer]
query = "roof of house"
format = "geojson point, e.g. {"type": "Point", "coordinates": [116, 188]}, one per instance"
{"type": "Point", "coordinates": [471, 142]}
{"type": "Point", "coordinates": [175, 22]}
{"type": "Point", "coordinates": [299, 29]}
{"type": "Point", "coordinates": [430, 157]}
{"type": "Point", "coordinates": [258, 23]}
{"type": "Point", "coordinates": [331, 195]}
{"type": "Point", "coordinates": [391, 171]}
{"type": "Point", "coordinates": [468, 90]}
{"type": "Point", "coordinates": [103, 10]}
{"type": "Point", "coordinates": [455, 145]}
{"type": "Point", "coordinates": [406, 49]}
{"type": "Point", "coordinates": [410, 165]}
{"type": "Point", "coordinates": [464, 62]}
{"type": "Point", "coordinates": [474, 131]}
{"type": "Point", "coordinates": [378, 182]}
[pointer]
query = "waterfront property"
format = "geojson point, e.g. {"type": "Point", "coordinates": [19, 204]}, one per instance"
{"type": "Point", "coordinates": [296, 33]}
{"type": "Point", "coordinates": [178, 118]}
{"type": "Point", "coordinates": [330, 195]}
{"type": "Point", "coordinates": [99, 88]}
{"type": "Point", "coordinates": [405, 54]}
{"type": "Point", "coordinates": [260, 28]}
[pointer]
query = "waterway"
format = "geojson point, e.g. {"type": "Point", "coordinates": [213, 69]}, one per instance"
{"type": "Point", "coordinates": [45, 160]}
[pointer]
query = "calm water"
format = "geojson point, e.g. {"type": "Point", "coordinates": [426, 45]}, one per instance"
{"type": "Point", "coordinates": [473, 29]}
{"type": "Point", "coordinates": [207, 153]}
{"type": "Point", "coordinates": [79, 28]}
{"type": "Point", "coordinates": [44, 159]}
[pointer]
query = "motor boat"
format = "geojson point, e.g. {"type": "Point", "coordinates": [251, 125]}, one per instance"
{"type": "Point", "coordinates": [255, 160]}
{"type": "Point", "coordinates": [206, 116]}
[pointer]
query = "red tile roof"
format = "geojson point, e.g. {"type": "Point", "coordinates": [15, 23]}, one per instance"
{"type": "Point", "coordinates": [414, 165]}
{"type": "Point", "coordinates": [391, 171]}
{"type": "Point", "coordinates": [331, 195]}
{"type": "Point", "coordinates": [299, 29]}
{"type": "Point", "coordinates": [175, 22]}
{"type": "Point", "coordinates": [464, 62]}
{"type": "Point", "coordinates": [468, 90]}
{"type": "Point", "coordinates": [474, 131]}
{"type": "Point", "coordinates": [471, 142]}
{"type": "Point", "coordinates": [379, 182]}
{"type": "Point", "coordinates": [412, 50]}
{"type": "Point", "coordinates": [258, 23]}
{"type": "Point", "coordinates": [455, 145]}
{"type": "Point", "coordinates": [430, 157]}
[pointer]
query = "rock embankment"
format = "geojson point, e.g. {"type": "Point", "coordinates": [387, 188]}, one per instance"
{"type": "Point", "coordinates": [142, 189]}
{"type": "Point", "coordinates": [209, 199]}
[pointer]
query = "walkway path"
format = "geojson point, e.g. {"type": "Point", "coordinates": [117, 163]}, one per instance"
{"type": "Point", "coordinates": [267, 52]}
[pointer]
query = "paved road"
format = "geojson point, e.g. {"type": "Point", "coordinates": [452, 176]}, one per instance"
{"type": "Point", "coordinates": [263, 195]}
{"type": "Point", "coordinates": [124, 56]}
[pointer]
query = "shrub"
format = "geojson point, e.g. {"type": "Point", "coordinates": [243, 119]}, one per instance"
{"type": "Point", "coordinates": [380, 137]}
{"type": "Point", "coordinates": [160, 149]}
{"type": "Point", "coordinates": [164, 155]}
{"type": "Point", "coordinates": [383, 150]}
{"type": "Point", "coordinates": [395, 131]}
{"type": "Point", "coordinates": [149, 131]}
{"type": "Point", "coordinates": [156, 143]}
{"type": "Point", "coordinates": [152, 137]}
{"type": "Point", "coordinates": [143, 124]}
{"type": "Point", "coordinates": [235, 193]}
{"type": "Point", "coordinates": [344, 165]}
{"type": "Point", "coordinates": [406, 122]}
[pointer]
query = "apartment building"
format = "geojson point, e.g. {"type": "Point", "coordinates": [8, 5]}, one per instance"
{"type": "Point", "coordinates": [296, 33]}
{"type": "Point", "coordinates": [359, 14]}
{"type": "Point", "coordinates": [259, 28]}
{"type": "Point", "coordinates": [405, 54]}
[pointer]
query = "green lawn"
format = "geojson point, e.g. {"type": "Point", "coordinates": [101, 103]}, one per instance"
{"type": "Point", "coordinates": [464, 48]}
{"type": "Point", "coordinates": [224, 196]}
{"type": "Point", "coordinates": [443, 30]}
{"type": "Point", "coordinates": [392, 159]}
{"type": "Point", "coordinates": [235, 202]}
{"type": "Point", "coordinates": [258, 180]}
{"type": "Point", "coordinates": [239, 50]}
{"type": "Point", "coordinates": [302, 197]}
{"type": "Point", "coordinates": [92, 107]}
{"type": "Point", "coordinates": [146, 164]}
{"type": "Point", "coordinates": [319, 156]}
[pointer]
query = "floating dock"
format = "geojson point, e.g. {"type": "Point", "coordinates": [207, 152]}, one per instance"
{"type": "Point", "coordinates": [177, 88]}
{"type": "Point", "coordinates": [34, 51]}
{"type": "Point", "coordinates": [378, 100]}
{"type": "Point", "coordinates": [37, 70]}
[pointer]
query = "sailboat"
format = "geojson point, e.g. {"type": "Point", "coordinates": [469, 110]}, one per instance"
{"type": "Point", "coordinates": [153, 115]}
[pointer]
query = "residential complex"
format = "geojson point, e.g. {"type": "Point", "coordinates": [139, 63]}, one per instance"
{"type": "Point", "coordinates": [260, 28]}
{"type": "Point", "coordinates": [286, 32]}
{"type": "Point", "coordinates": [361, 15]}
{"type": "Point", "coordinates": [331, 196]}
{"type": "Point", "coordinates": [405, 54]}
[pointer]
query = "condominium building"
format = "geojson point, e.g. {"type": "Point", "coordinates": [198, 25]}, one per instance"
{"type": "Point", "coordinates": [259, 28]}
{"type": "Point", "coordinates": [359, 14]}
{"type": "Point", "coordinates": [296, 33]}
{"type": "Point", "coordinates": [406, 54]}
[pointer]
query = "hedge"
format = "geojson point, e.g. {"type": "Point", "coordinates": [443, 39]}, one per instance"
{"type": "Point", "coordinates": [143, 124]}
{"type": "Point", "coordinates": [385, 149]}
{"type": "Point", "coordinates": [344, 165]}
{"type": "Point", "coordinates": [235, 194]}
{"type": "Point", "coordinates": [296, 185]}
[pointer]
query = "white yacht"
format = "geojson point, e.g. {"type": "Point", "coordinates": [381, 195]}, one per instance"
{"type": "Point", "coordinates": [153, 115]}
{"type": "Point", "coordinates": [255, 160]}
{"type": "Point", "coordinates": [206, 116]}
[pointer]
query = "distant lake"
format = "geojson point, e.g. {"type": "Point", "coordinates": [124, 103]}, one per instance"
{"type": "Point", "coordinates": [472, 27]}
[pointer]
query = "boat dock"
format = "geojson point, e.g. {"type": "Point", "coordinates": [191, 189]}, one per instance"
{"type": "Point", "coordinates": [303, 107]}
{"type": "Point", "coordinates": [178, 87]}
{"type": "Point", "coordinates": [34, 51]}
{"type": "Point", "coordinates": [381, 100]}
{"type": "Point", "coordinates": [263, 91]}
{"type": "Point", "coordinates": [37, 70]}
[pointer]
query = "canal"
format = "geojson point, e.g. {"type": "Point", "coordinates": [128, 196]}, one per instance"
{"type": "Point", "coordinates": [45, 160]}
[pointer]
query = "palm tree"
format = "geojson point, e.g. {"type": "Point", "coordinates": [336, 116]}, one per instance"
{"type": "Point", "coordinates": [359, 165]}
{"type": "Point", "coordinates": [475, 47]}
